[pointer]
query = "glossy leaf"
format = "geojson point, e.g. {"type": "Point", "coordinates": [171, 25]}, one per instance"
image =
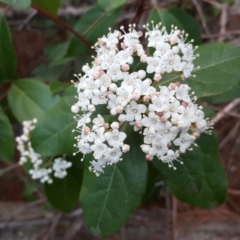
{"type": "Point", "coordinates": [49, 6]}
{"type": "Point", "coordinates": [7, 54]}
{"type": "Point", "coordinates": [227, 96]}
{"type": "Point", "coordinates": [219, 70]}
{"type": "Point", "coordinates": [7, 143]}
{"type": "Point", "coordinates": [188, 176]}
{"type": "Point", "coordinates": [63, 194]}
{"type": "Point", "coordinates": [92, 25]}
{"type": "Point", "coordinates": [109, 5]}
{"type": "Point", "coordinates": [53, 133]}
{"type": "Point", "coordinates": [22, 4]}
{"type": "Point", "coordinates": [214, 186]}
{"type": "Point", "coordinates": [109, 200]}
{"type": "Point", "coordinates": [30, 99]}
{"type": "Point", "coordinates": [179, 18]}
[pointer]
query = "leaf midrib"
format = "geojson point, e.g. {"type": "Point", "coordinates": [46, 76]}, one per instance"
{"type": "Point", "coordinates": [29, 98]}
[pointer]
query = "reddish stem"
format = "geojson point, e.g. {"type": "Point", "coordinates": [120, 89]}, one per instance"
{"type": "Point", "coordinates": [62, 24]}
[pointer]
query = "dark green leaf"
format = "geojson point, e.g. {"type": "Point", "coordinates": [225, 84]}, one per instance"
{"type": "Point", "coordinates": [152, 191]}
{"type": "Point", "coordinates": [69, 95]}
{"type": "Point", "coordinates": [218, 73]}
{"type": "Point", "coordinates": [92, 25]}
{"type": "Point", "coordinates": [49, 6]}
{"type": "Point", "coordinates": [30, 99]}
{"type": "Point", "coordinates": [110, 199]}
{"type": "Point", "coordinates": [63, 193]}
{"type": "Point", "coordinates": [7, 54]}
{"type": "Point", "coordinates": [227, 96]}
{"type": "Point", "coordinates": [179, 18]}
{"type": "Point", "coordinates": [7, 143]}
{"type": "Point", "coordinates": [53, 133]}
{"type": "Point", "coordinates": [57, 87]}
{"type": "Point", "coordinates": [188, 176]}
{"type": "Point", "coordinates": [214, 185]}
{"type": "Point", "coordinates": [109, 5]}
{"type": "Point", "coordinates": [18, 3]}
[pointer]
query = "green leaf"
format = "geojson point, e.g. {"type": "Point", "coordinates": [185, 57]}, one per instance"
{"type": "Point", "coordinates": [152, 191]}
{"type": "Point", "coordinates": [110, 199]}
{"type": "Point", "coordinates": [214, 185]}
{"type": "Point", "coordinates": [53, 133]}
{"type": "Point", "coordinates": [109, 5]}
{"type": "Point", "coordinates": [219, 70]}
{"type": "Point", "coordinates": [69, 95]}
{"type": "Point", "coordinates": [30, 99]}
{"type": "Point", "coordinates": [179, 18]}
{"type": "Point", "coordinates": [63, 193]}
{"type": "Point", "coordinates": [227, 96]}
{"type": "Point", "coordinates": [7, 143]}
{"type": "Point", "coordinates": [49, 6]}
{"type": "Point", "coordinates": [22, 4]}
{"type": "Point", "coordinates": [92, 25]}
{"type": "Point", "coordinates": [188, 176]}
{"type": "Point", "coordinates": [57, 87]}
{"type": "Point", "coordinates": [7, 54]}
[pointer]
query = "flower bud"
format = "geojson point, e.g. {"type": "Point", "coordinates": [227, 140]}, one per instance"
{"type": "Point", "coordinates": [75, 109]}
{"type": "Point", "coordinates": [125, 148]}
{"type": "Point", "coordinates": [141, 74]}
{"type": "Point", "coordinates": [115, 125]}
{"type": "Point", "coordinates": [113, 87]}
{"type": "Point", "coordinates": [175, 49]}
{"type": "Point", "coordinates": [91, 108]}
{"type": "Point", "coordinates": [157, 77]}
{"type": "Point", "coordinates": [125, 67]}
{"type": "Point", "coordinates": [149, 157]}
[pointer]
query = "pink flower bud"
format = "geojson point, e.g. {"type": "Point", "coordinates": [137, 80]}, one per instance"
{"type": "Point", "coordinates": [100, 42]}
{"type": "Point", "coordinates": [140, 33]}
{"type": "Point", "coordinates": [157, 77]}
{"type": "Point", "coordinates": [113, 46]}
{"type": "Point", "coordinates": [125, 148]}
{"type": "Point", "coordinates": [138, 124]}
{"type": "Point", "coordinates": [119, 109]}
{"type": "Point", "coordinates": [91, 108]}
{"type": "Point", "coordinates": [134, 48]}
{"type": "Point", "coordinates": [196, 134]}
{"type": "Point", "coordinates": [106, 125]}
{"type": "Point", "coordinates": [86, 130]}
{"type": "Point", "coordinates": [163, 119]}
{"type": "Point", "coordinates": [96, 75]}
{"type": "Point", "coordinates": [146, 99]}
{"type": "Point", "coordinates": [97, 61]}
{"type": "Point", "coordinates": [123, 45]}
{"type": "Point", "coordinates": [185, 104]}
{"type": "Point", "coordinates": [149, 158]}
{"type": "Point", "coordinates": [172, 86]}
{"type": "Point", "coordinates": [173, 39]}
{"type": "Point", "coordinates": [113, 111]}
{"type": "Point", "coordinates": [115, 125]}
{"type": "Point", "coordinates": [135, 96]}
{"type": "Point", "coordinates": [125, 67]}
{"type": "Point", "coordinates": [143, 58]}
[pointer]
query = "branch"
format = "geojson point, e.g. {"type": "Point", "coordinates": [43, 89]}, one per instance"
{"type": "Point", "coordinates": [63, 24]}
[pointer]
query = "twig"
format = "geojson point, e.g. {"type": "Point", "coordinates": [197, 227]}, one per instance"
{"type": "Point", "coordinates": [223, 21]}
{"type": "Point", "coordinates": [230, 135]}
{"type": "Point", "coordinates": [63, 24]}
{"type": "Point", "coordinates": [201, 15]}
{"type": "Point", "coordinates": [234, 191]}
{"type": "Point", "coordinates": [174, 218]}
{"type": "Point", "coordinates": [73, 229]}
{"type": "Point", "coordinates": [8, 169]}
{"type": "Point", "coordinates": [138, 13]}
{"type": "Point", "coordinates": [226, 34]}
{"type": "Point", "coordinates": [123, 233]}
{"type": "Point", "coordinates": [226, 110]}
{"type": "Point", "coordinates": [53, 226]}
{"type": "Point", "coordinates": [28, 18]}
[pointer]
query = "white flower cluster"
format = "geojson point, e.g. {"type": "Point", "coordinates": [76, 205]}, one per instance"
{"type": "Point", "coordinates": [27, 153]}
{"type": "Point", "coordinates": [166, 116]}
